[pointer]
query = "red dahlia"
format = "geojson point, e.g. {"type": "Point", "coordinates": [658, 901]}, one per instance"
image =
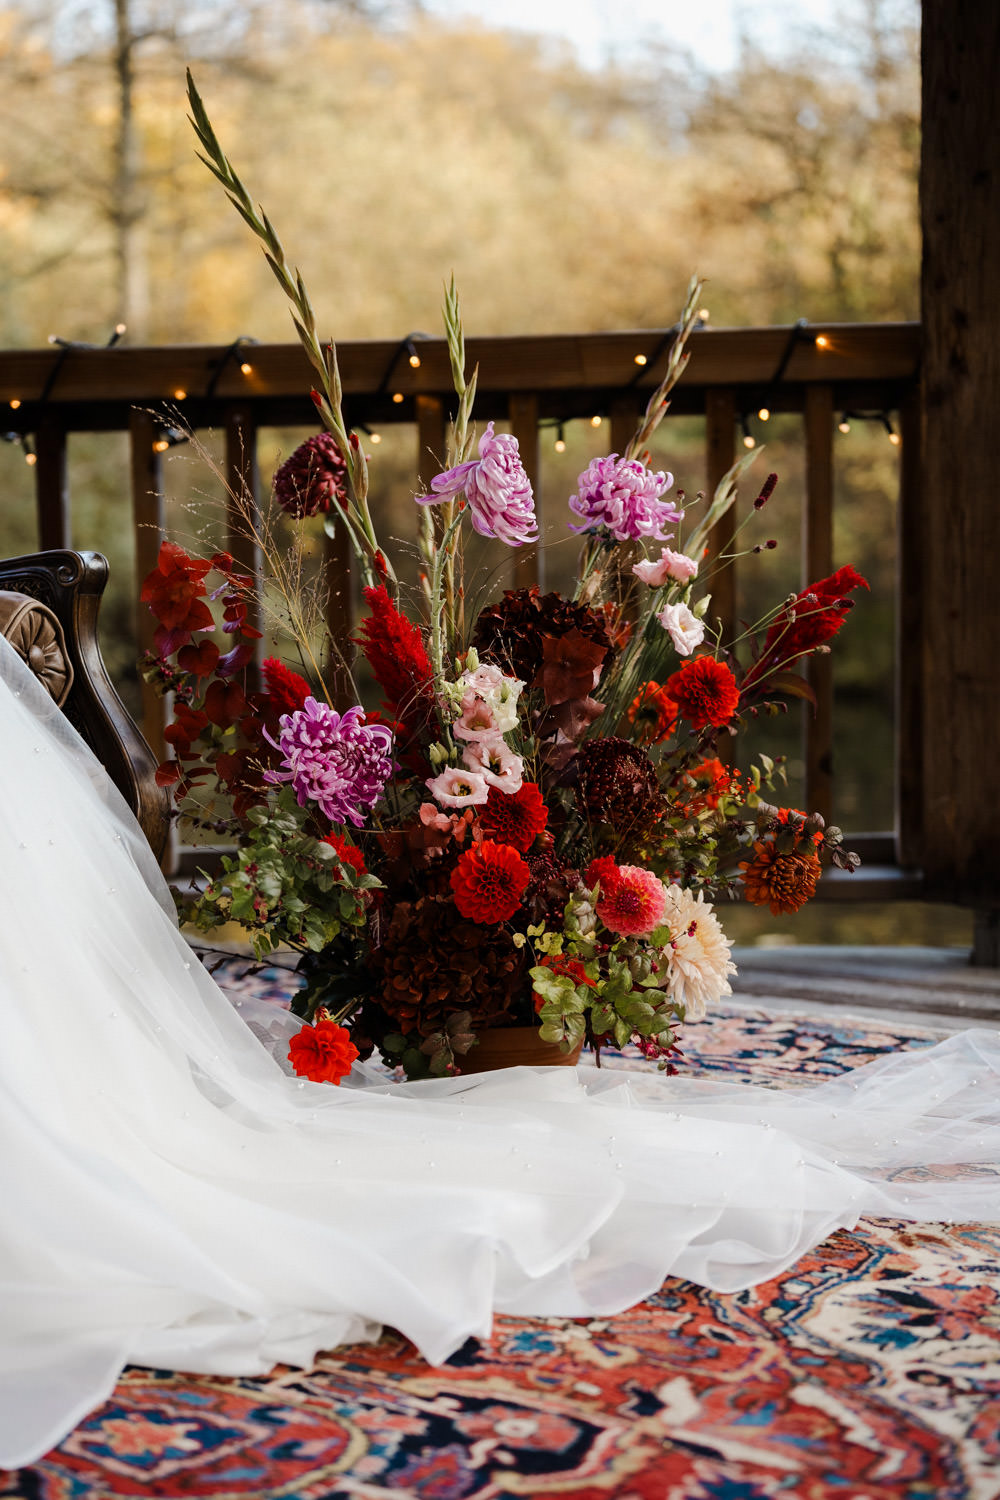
{"type": "Point", "coordinates": [489, 881]}
{"type": "Point", "coordinates": [705, 692]}
{"type": "Point", "coordinates": [515, 818]}
{"type": "Point", "coordinates": [323, 1052]}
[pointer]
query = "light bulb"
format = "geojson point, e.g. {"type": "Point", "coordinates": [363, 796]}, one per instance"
{"type": "Point", "coordinates": [560, 445]}
{"type": "Point", "coordinates": [844, 425]}
{"type": "Point", "coordinates": [640, 359]}
{"type": "Point", "coordinates": [15, 403]}
{"type": "Point", "coordinates": [31, 459]}
{"type": "Point", "coordinates": [397, 396]}
{"type": "Point", "coordinates": [161, 445]}
{"type": "Point", "coordinates": [120, 329]}
{"type": "Point", "coordinates": [596, 421]}
{"type": "Point", "coordinates": [749, 442]}
{"type": "Point", "coordinates": [180, 394]}
{"type": "Point", "coordinates": [415, 361]}
{"type": "Point", "coordinates": [703, 314]}
{"type": "Point", "coordinates": [246, 367]}
{"type": "Point", "coordinates": [764, 415]}
{"type": "Point", "coordinates": [374, 437]}
{"type": "Point", "coordinates": [822, 342]}
{"type": "Point", "coordinates": [895, 439]}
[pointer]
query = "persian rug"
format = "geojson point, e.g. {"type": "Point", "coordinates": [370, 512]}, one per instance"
{"type": "Point", "coordinates": [871, 1368]}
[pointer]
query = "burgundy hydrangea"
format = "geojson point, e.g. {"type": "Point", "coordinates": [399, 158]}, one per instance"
{"type": "Point", "coordinates": [623, 495]}
{"type": "Point", "coordinates": [309, 482]}
{"type": "Point", "coordinates": [335, 760]}
{"type": "Point", "coordinates": [497, 488]}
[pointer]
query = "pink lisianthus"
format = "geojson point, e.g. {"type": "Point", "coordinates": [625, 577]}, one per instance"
{"type": "Point", "coordinates": [477, 721]}
{"type": "Point", "coordinates": [675, 566]}
{"type": "Point", "coordinates": [684, 629]}
{"type": "Point", "coordinates": [497, 488]}
{"type": "Point", "coordinates": [458, 787]}
{"type": "Point", "coordinates": [634, 902]}
{"type": "Point", "coordinates": [495, 761]}
{"type": "Point", "coordinates": [624, 496]}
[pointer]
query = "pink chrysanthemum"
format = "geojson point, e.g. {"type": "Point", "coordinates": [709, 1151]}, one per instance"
{"type": "Point", "coordinates": [623, 495]}
{"type": "Point", "coordinates": [634, 903]}
{"type": "Point", "coordinates": [335, 760]}
{"type": "Point", "coordinates": [497, 488]}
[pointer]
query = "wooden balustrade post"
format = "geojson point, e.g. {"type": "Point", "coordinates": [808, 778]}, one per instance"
{"type": "Point", "coordinates": [817, 563]}
{"type": "Point", "coordinates": [149, 528]}
{"type": "Point", "coordinates": [909, 625]}
{"type": "Point", "coordinates": [243, 518]}
{"type": "Point", "coordinates": [52, 484]}
{"type": "Point", "coordinates": [526, 564]}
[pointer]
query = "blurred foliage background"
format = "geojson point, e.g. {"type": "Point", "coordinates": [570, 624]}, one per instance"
{"type": "Point", "coordinates": [391, 147]}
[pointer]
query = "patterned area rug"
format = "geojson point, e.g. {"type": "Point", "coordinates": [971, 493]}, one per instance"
{"type": "Point", "coordinates": [872, 1368]}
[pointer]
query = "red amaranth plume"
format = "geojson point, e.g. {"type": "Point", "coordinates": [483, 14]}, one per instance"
{"type": "Point", "coordinates": [395, 650]}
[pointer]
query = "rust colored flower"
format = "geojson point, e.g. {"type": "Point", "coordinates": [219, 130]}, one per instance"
{"type": "Point", "coordinates": [562, 963]}
{"type": "Point", "coordinates": [605, 870]}
{"type": "Point", "coordinates": [712, 780]}
{"type": "Point", "coordinates": [309, 482]}
{"type": "Point", "coordinates": [652, 714]}
{"type": "Point", "coordinates": [489, 882]}
{"type": "Point", "coordinates": [175, 592]}
{"type": "Point", "coordinates": [571, 666]}
{"type": "Point", "coordinates": [515, 818]}
{"type": "Point", "coordinates": [705, 692]}
{"type": "Point", "coordinates": [779, 880]}
{"type": "Point", "coordinates": [323, 1052]}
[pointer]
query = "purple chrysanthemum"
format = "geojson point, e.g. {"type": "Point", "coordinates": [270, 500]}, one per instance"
{"type": "Point", "coordinates": [623, 495]}
{"type": "Point", "coordinates": [496, 487]}
{"type": "Point", "coordinates": [335, 760]}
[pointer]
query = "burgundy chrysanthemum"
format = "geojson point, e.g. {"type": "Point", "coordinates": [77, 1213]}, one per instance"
{"type": "Point", "coordinates": [489, 882]}
{"type": "Point", "coordinates": [308, 483]}
{"type": "Point", "coordinates": [515, 818]}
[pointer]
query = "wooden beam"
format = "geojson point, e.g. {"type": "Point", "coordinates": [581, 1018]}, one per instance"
{"type": "Point", "coordinates": [960, 396]}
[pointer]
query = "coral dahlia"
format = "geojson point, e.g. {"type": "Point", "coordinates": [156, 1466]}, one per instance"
{"type": "Point", "coordinates": [489, 881]}
{"type": "Point", "coordinates": [635, 902]}
{"type": "Point", "coordinates": [705, 692]}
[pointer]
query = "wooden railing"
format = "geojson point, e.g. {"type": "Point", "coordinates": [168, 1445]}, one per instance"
{"type": "Point", "coordinates": [816, 371]}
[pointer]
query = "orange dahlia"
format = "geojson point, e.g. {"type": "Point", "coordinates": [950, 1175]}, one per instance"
{"type": "Point", "coordinates": [323, 1052]}
{"type": "Point", "coordinates": [489, 881]}
{"type": "Point", "coordinates": [653, 713]}
{"type": "Point", "coordinates": [780, 880]}
{"type": "Point", "coordinates": [705, 692]}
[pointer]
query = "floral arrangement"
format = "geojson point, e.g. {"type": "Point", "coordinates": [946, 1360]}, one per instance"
{"type": "Point", "coordinates": [533, 827]}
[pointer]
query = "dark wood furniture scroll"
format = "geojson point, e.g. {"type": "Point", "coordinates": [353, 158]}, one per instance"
{"type": "Point", "coordinates": [71, 584]}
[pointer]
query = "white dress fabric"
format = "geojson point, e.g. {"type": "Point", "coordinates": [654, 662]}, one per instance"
{"type": "Point", "coordinates": [171, 1197]}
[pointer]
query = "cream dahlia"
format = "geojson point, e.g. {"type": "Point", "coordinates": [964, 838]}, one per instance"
{"type": "Point", "coordinates": [697, 959]}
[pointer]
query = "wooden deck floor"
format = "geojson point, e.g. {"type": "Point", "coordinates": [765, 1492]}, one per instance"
{"type": "Point", "coordinates": [936, 985]}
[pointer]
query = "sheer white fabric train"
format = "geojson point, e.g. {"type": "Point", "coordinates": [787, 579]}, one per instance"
{"type": "Point", "coordinates": [172, 1198]}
